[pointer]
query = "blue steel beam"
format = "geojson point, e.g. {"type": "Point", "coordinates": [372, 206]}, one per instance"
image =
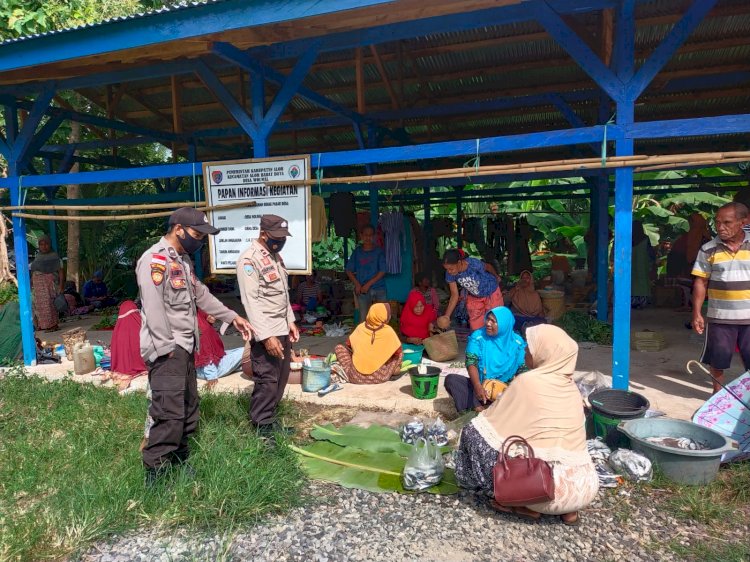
{"type": "Point", "coordinates": [38, 110]}
{"type": "Point", "coordinates": [580, 51]}
{"type": "Point", "coordinates": [232, 54]}
{"type": "Point", "coordinates": [720, 125]}
{"type": "Point", "coordinates": [503, 15]}
{"type": "Point", "coordinates": [47, 130]}
{"type": "Point", "coordinates": [222, 93]}
{"type": "Point", "coordinates": [173, 25]}
{"type": "Point", "coordinates": [289, 88]}
{"type": "Point", "coordinates": [668, 47]}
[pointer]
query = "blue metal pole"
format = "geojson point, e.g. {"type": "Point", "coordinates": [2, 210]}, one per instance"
{"type": "Point", "coordinates": [22, 272]}
{"type": "Point", "coordinates": [258, 96]}
{"type": "Point", "coordinates": [624, 61]}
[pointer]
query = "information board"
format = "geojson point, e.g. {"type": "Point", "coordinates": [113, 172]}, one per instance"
{"type": "Point", "coordinates": [236, 181]}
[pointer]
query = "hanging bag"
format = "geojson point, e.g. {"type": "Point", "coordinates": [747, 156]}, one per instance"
{"type": "Point", "coordinates": [521, 480]}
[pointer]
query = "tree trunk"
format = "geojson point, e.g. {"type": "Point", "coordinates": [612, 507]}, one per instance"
{"type": "Point", "coordinates": [5, 273]}
{"type": "Point", "coordinates": [74, 227]}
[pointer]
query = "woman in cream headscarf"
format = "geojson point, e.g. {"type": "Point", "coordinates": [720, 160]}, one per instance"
{"type": "Point", "coordinates": [543, 406]}
{"type": "Point", "coordinates": [525, 302]}
{"type": "Point", "coordinates": [373, 354]}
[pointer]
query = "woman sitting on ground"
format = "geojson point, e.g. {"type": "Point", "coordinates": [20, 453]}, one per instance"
{"type": "Point", "coordinates": [417, 319]}
{"type": "Point", "coordinates": [424, 286]}
{"type": "Point", "coordinates": [493, 353]}
{"type": "Point", "coordinates": [525, 303]}
{"type": "Point", "coordinates": [373, 352]}
{"type": "Point", "coordinates": [125, 347]}
{"type": "Point", "coordinates": [544, 407]}
{"type": "Point", "coordinates": [212, 361]}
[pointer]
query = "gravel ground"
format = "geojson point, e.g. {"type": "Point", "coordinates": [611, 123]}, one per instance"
{"type": "Point", "coordinates": [355, 525]}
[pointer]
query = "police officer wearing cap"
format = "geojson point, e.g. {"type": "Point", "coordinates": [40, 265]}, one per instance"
{"type": "Point", "coordinates": [170, 294]}
{"type": "Point", "coordinates": [264, 289]}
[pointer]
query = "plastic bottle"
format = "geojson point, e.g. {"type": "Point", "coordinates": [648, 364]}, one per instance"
{"type": "Point", "coordinates": [83, 358]}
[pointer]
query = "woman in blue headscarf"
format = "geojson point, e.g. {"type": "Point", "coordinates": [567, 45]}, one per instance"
{"type": "Point", "coordinates": [494, 355]}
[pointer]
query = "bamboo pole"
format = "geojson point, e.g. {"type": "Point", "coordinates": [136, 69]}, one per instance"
{"type": "Point", "coordinates": [128, 217]}
{"type": "Point", "coordinates": [134, 207]}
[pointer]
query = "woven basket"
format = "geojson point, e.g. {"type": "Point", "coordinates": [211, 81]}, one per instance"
{"type": "Point", "coordinates": [72, 337]}
{"type": "Point", "coordinates": [442, 347]}
{"type": "Point", "coordinates": [554, 303]}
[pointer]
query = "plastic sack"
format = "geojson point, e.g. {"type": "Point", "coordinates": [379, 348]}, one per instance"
{"type": "Point", "coordinates": [589, 381]}
{"type": "Point", "coordinates": [412, 431]}
{"type": "Point", "coordinates": [632, 465]}
{"type": "Point", "coordinates": [98, 354]}
{"type": "Point", "coordinates": [438, 432]}
{"type": "Point", "coordinates": [424, 468]}
{"type": "Point", "coordinates": [600, 453]}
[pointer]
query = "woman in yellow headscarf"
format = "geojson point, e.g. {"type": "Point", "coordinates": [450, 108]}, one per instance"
{"type": "Point", "coordinates": [373, 352]}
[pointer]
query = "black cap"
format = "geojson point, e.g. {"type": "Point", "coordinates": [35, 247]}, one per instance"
{"type": "Point", "coordinates": [275, 226]}
{"type": "Point", "coordinates": [195, 219]}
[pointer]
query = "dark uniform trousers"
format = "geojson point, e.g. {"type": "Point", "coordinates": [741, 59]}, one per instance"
{"type": "Point", "coordinates": [174, 408]}
{"type": "Point", "coordinates": [270, 375]}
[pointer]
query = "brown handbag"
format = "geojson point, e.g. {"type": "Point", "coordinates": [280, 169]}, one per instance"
{"type": "Point", "coordinates": [521, 481]}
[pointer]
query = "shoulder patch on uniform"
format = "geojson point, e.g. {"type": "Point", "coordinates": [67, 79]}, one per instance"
{"type": "Point", "coordinates": [248, 269]}
{"type": "Point", "coordinates": [157, 276]}
{"type": "Point", "coordinates": [158, 262]}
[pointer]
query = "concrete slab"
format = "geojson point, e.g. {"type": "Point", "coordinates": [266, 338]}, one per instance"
{"type": "Point", "coordinates": [660, 376]}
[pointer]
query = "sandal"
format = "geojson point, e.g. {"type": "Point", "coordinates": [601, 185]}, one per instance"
{"type": "Point", "coordinates": [520, 512]}
{"type": "Point", "coordinates": [574, 521]}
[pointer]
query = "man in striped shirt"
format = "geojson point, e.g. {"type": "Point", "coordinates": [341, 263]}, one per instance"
{"type": "Point", "coordinates": [722, 270]}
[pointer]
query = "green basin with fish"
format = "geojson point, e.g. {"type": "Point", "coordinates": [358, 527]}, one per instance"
{"type": "Point", "coordinates": [685, 466]}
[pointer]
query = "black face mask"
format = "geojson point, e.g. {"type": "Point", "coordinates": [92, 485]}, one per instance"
{"type": "Point", "coordinates": [189, 243]}
{"type": "Point", "coordinates": [274, 245]}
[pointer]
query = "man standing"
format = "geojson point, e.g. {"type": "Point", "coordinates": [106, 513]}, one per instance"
{"type": "Point", "coordinates": [722, 269]}
{"type": "Point", "coordinates": [366, 269]}
{"type": "Point", "coordinates": [264, 289]}
{"type": "Point", "coordinates": [169, 336]}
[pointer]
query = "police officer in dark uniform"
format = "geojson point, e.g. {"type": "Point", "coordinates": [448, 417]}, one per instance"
{"type": "Point", "coordinates": [170, 294]}
{"type": "Point", "coordinates": [264, 289]}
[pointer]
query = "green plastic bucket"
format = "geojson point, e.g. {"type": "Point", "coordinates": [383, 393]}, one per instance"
{"type": "Point", "coordinates": [424, 387]}
{"type": "Point", "coordinates": [611, 406]}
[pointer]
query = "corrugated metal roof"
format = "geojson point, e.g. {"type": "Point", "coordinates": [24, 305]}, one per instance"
{"type": "Point", "coordinates": [180, 6]}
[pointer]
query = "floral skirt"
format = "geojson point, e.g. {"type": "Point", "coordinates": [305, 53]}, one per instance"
{"type": "Point", "coordinates": [575, 486]}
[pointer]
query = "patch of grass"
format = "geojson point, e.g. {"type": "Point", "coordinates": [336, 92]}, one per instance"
{"type": "Point", "coordinates": [71, 473]}
{"type": "Point", "coordinates": [713, 550]}
{"type": "Point", "coordinates": [717, 502]}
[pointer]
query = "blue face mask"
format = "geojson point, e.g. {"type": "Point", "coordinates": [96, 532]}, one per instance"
{"type": "Point", "coordinates": [274, 245]}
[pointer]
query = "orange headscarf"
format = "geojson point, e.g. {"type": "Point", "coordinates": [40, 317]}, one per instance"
{"type": "Point", "coordinates": [374, 342]}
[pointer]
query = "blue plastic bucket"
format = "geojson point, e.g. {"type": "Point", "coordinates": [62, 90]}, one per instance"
{"type": "Point", "coordinates": [315, 376]}
{"type": "Point", "coordinates": [413, 353]}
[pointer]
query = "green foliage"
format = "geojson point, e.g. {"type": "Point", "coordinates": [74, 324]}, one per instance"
{"type": "Point", "coordinates": [375, 438]}
{"type": "Point", "coordinates": [329, 253]}
{"type": "Point", "coordinates": [8, 293]}
{"type": "Point", "coordinates": [72, 473]}
{"type": "Point", "coordinates": [582, 327]}
{"type": "Point", "coordinates": [26, 17]}
{"type": "Point", "coordinates": [353, 467]}
{"type": "Point", "coordinates": [106, 322]}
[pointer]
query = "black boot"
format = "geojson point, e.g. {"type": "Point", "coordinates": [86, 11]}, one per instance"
{"type": "Point", "coordinates": [154, 476]}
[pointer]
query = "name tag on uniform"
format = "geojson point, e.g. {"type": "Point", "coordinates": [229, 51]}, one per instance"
{"type": "Point", "coordinates": [269, 273]}
{"type": "Point", "coordinates": [176, 276]}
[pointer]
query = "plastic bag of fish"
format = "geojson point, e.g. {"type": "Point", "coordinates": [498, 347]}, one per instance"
{"type": "Point", "coordinates": [424, 467]}
{"type": "Point", "coordinates": [632, 465]}
{"type": "Point", "coordinates": [416, 429]}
